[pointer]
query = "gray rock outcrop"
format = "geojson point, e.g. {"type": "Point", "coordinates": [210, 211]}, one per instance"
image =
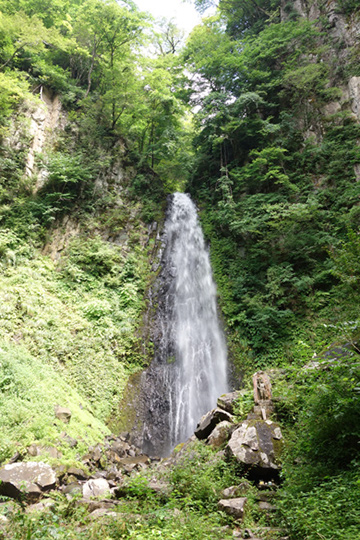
{"type": "Point", "coordinates": [209, 421]}
{"type": "Point", "coordinates": [29, 480]}
{"type": "Point", "coordinates": [256, 443]}
{"type": "Point", "coordinates": [63, 414]}
{"type": "Point", "coordinates": [220, 434]}
{"type": "Point", "coordinates": [227, 402]}
{"type": "Point", "coordinates": [233, 507]}
{"type": "Point", "coordinates": [95, 488]}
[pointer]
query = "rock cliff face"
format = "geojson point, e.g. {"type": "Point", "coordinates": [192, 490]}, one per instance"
{"type": "Point", "coordinates": [35, 130]}
{"type": "Point", "coordinates": [341, 27]}
{"type": "Point", "coordinates": [46, 120]}
{"type": "Point", "coordinates": [341, 33]}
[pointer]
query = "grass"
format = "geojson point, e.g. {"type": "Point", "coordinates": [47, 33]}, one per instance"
{"type": "Point", "coordinates": [69, 336]}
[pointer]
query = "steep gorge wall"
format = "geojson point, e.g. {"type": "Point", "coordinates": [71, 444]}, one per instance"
{"type": "Point", "coordinates": [84, 313]}
{"type": "Point", "coordinates": [341, 32]}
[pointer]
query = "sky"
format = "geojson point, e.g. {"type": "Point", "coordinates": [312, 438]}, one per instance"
{"type": "Point", "coordinates": [184, 14]}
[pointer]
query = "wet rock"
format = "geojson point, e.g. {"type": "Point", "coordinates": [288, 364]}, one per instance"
{"type": "Point", "coordinates": [31, 479]}
{"type": "Point", "coordinates": [95, 488]}
{"type": "Point", "coordinates": [209, 421]}
{"type": "Point", "coordinates": [233, 507]}
{"type": "Point", "coordinates": [256, 443]}
{"type": "Point", "coordinates": [220, 434]}
{"type": "Point", "coordinates": [63, 414]}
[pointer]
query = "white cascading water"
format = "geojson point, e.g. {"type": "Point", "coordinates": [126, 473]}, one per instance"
{"type": "Point", "coordinates": [200, 352]}
{"type": "Point", "coordinates": [190, 365]}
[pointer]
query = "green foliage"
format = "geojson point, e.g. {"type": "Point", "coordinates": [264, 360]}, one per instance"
{"type": "Point", "coordinates": [268, 195]}
{"type": "Point", "coordinates": [320, 406]}
{"type": "Point", "coordinates": [275, 178]}
{"type": "Point", "coordinates": [346, 259]}
{"type": "Point", "coordinates": [80, 318]}
{"type": "Point", "coordinates": [347, 6]}
{"type": "Point", "coordinates": [13, 89]}
{"type": "Point", "coordinates": [90, 54]}
{"type": "Point", "coordinates": [30, 390]}
{"type": "Point", "coordinates": [67, 522]}
{"type": "Point", "coordinates": [200, 491]}
{"type": "Point", "coordinates": [329, 510]}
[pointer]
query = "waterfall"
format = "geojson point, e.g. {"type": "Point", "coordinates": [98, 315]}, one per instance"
{"type": "Point", "coordinates": [189, 370]}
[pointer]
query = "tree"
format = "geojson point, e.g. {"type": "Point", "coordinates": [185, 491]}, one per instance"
{"type": "Point", "coordinates": [169, 39]}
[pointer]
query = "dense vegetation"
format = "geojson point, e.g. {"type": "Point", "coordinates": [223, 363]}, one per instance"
{"type": "Point", "coordinates": [93, 186]}
{"type": "Point", "coordinates": [277, 179]}
{"type": "Point", "coordinates": [275, 172]}
{"type": "Point", "coordinates": [272, 158]}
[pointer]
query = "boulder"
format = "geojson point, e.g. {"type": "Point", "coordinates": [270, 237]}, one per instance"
{"type": "Point", "coordinates": [63, 414]}
{"type": "Point", "coordinates": [227, 402]}
{"type": "Point", "coordinates": [121, 448]}
{"type": "Point", "coordinates": [233, 492]}
{"type": "Point", "coordinates": [256, 443]}
{"type": "Point", "coordinates": [72, 489]}
{"type": "Point", "coordinates": [26, 479]}
{"type": "Point", "coordinates": [35, 450]}
{"type": "Point", "coordinates": [233, 507]}
{"type": "Point", "coordinates": [95, 488]}
{"type": "Point", "coordinates": [79, 474]}
{"type": "Point", "coordinates": [41, 506]}
{"type": "Point", "coordinates": [100, 513]}
{"type": "Point", "coordinates": [209, 421]}
{"type": "Point", "coordinates": [266, 506]}
{"type": "Point", "coordinates": [220, 434]}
